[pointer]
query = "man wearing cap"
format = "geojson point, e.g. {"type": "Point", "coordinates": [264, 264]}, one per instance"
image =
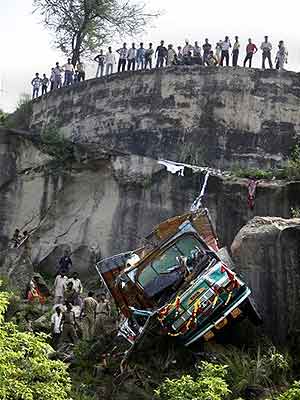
{"type": "Point", "coordinates": [266, 48]}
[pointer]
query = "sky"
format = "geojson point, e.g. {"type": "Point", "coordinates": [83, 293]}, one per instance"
{"type": "Point", "coordinates": [26, 47]}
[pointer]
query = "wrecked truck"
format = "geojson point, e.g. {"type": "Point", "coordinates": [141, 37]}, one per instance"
{"type": "Point", "coordinates": [179, 283]}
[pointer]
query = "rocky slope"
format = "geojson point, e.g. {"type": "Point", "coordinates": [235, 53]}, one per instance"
{"type": "Point", "coordinates": [106, 205]}
{"type": "Point", "coordinates": [115, 191]}
{"type": "Point", "coordinates": [266, 250]}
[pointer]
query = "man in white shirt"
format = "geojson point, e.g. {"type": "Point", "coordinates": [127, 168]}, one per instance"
{"type": "Point", "coordinates": [36, 84]}
{"type": "Point", "coordinates": [57, 76]}
{"type": "Point", "coordinates": [77, 286]}
{"type": "Point", "coordinates": [56, 326]}
{"type": "Point", "coordinates": [225, 46]}
{"type": "Point", "coordinates": [131, 57]}
{"type": "Point", "coordinates": [187, 48]}
{"type": "Point", "coordinates": [266, 48]}
{"type": "Point", "coordinates": [69, 72]}
{"type": "Point", "coordinates": [59, 288]}
{"type": "Point", "coordinates": [110, 61]}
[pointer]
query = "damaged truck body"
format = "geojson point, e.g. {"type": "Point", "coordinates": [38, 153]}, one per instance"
{"type": "Point", "coordinates": [180, 283]}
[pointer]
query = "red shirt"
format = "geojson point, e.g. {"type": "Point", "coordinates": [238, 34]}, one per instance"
{"type": "Point", "coordinates": [251, 48]}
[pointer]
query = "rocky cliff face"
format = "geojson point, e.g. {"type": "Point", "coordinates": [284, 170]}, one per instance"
{"type": "Point", "coordinates": [266, 250]}
{"type": "Point", "coordinates": [215, 116]}
{"type": "Point", "coordinates": [106, 205]}
{"type": "Point", "coordinates": [113, 195]}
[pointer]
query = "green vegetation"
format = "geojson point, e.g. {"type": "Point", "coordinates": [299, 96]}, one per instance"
{"type": "Point", "coordinates": [209, 384]}
{"type": "Point", "coordinates": [260, 369]}
{"type": "Point", "coordinates": [293, 166]}
{"type": "Point", "coordinates": [20, 119]}
{"type": "Point", "coordinates": [3, 117]}
{"type": "Point", "coordinates": [53, 143]}
{"type": "Point", "coordinates": [291, 171]}
{"type": "Point", "coordinates": [26, 372]}
{"type": "Point", "coordinates": [257, 173]}
{"type": "Point", "coordinates": [293, 393]}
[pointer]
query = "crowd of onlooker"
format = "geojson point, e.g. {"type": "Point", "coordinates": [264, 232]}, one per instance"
{"type": "Point", "coordinates": [140, 58]}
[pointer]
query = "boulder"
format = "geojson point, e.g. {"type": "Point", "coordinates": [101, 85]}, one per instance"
{"type": "Point", "coordinates": [18, 268]}
{"type": "Point", "coordinates": [266, 251]}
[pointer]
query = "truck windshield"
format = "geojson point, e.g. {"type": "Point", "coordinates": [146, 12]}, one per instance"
{"type": "Point", "coordinates": [165, 270]}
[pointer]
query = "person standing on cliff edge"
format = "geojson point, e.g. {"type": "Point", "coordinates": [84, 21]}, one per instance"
{"type": "Point", "coordinates": [148, 56]}
{"type": "Point", "coordinates": [161, 54]}
{"type": "Point", "coordinates": [206, 51]}
{"type": "Point", "coordinates": [250, 50]}
{"type": "Point", "coordinates": [225, 46]}
{"type": "Point", "coordinates": [100, 59]}
{"type": "Point", "coordinates": [266, 48]}
{"type": "Point", "coordinates": [235, 52]}
{"type": "Point", "coordinates": [110, 60]}
{"type": "Point", "coordinates": [36, 84]}
{"type": "Point", "coordinates": [123, 52]}
{"type": "Point", "coordinates": [131, 57]}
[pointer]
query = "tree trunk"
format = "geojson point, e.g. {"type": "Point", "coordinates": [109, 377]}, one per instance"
{"type": "Point", "coordinates": [76, 49]}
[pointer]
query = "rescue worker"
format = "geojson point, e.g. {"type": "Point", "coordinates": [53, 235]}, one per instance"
{"type": "Point", "coordinates": [56, 326]}
{"type": "Point", "coordinates": [87, 314]}
{"type": "Point", "coordinates": [70, 294]}
{"type": "Point", "coordinates": [59, 288]}
{"type": "Point", "coordinates": [77, 286]}
{"type": "Point", "coordinates": [102, 315]}
{"type": "Point", "coordinates": [67, 326]}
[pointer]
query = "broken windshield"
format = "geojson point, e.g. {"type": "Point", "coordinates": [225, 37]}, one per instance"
{"type": "Point", "coordinates": [166, 270]}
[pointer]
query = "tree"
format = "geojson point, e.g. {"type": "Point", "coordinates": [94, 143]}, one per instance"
{"type": "Point", "coordinates": [80, 27]}
{"type": "Point", "coordinates": [3, 117]}
{"type": "Point", "coordinates": [26, 372]}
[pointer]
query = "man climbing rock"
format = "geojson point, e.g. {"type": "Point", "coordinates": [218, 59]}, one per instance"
{"type": "Point", "coordinates": [67, 326]}
{"type": "Point", "coordinates": [87, 315]}
{"type": "Point", "coordinates": [65, 263]}
{"type": "Point", "coordinates": [16, 238]}
{"type": "Point", "coordinates": [59, 288]}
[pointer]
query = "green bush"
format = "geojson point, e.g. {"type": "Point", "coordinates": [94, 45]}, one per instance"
{"type": "Point", "coordinates": [293, 166]}
{"type": "Point", "coordinates": [260, 369]}
{"type": "Point", "coordinates": [209, 384]}
{"type": "Point", "coordinates": [54, 143]}
{"type": "Point", "coordinates": [257, 173]}
{"type": "Point", "coordinates": [20, 119]}
{"type": "Point", "coordinates": [293, 393]}
{"type": "Point", "coordinates": [3, 117]}
{"type": "Point", "coordinates": [26, 372]}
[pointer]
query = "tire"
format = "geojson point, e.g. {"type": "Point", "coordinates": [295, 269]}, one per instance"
{"type": "Point", "coordinates": [251, 312]}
